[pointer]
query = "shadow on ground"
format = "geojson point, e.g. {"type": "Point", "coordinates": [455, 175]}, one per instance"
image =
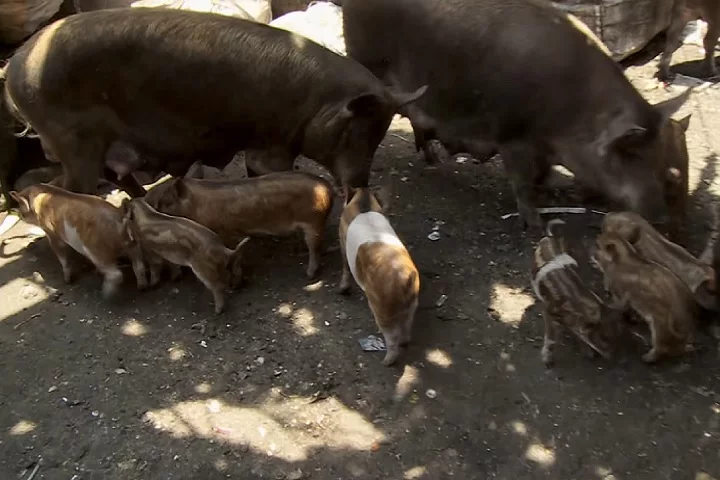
{"type": "Point", "coordinates": [280, 388]}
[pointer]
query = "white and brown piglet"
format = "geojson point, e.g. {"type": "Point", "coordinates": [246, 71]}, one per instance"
{"type": "Point", "coordinates": [273, 204]}
{"type": "Point", "coordinates": [652, 245]}
{"type": "Point", "coordinates": [84, 223]}
{"type": "Point", "coordinates": [653, 291]}
{"type": "Point", "coordinates": [567, 300]}
{"type": "Point", "coordinates": [184, 243]}
{"type": "Point", "coordinates": [381, 266]}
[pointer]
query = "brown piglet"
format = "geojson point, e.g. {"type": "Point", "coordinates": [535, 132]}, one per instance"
{"type": "Point", "coordinates": [272, 204]}
{"type": "Point", "coordinates": [183, 242]}
{"type": "Point", "coordinates": [657, 295]}
{"type": "Point", "coordinates": [567, 300]}
{"type": "Point", "coordinates": [652, 245]}
{"type": "Point", "coordinates": [381, 266]}
{"type": "Point", "coordinates": [84, 223]}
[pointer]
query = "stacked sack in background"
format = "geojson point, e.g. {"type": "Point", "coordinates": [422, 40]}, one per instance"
{"type": "Point", "coordinates": [20, 18]}
{"type": "Point", "coordinates": [321, 23]}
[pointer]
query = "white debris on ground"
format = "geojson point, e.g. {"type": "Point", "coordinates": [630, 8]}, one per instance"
{"type": "Point", "coordinates": [321, 23]}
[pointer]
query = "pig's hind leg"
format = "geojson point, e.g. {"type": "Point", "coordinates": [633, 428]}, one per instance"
{"type": "Point", "coordinates": [313, 240]}
{"type": "Point", "coordinates": [681, 16]}
{"type": "Point", "coordinates": [113, 278]}
{"type": "Point", "coordinates": [211, 279]}
{"type": "Point", "coordinates": [710, 42]}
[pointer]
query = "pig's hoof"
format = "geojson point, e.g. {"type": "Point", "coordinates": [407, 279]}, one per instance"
{"type": "Point", "coordinates": [311, 271]}
{"type": "Point", "coordinates": [109, 290]}
{"type": "Point", "coordinates": [435, 153]}
{"type": "Point", "coordinates": [343, 289]}
{"type": "Point", "coordinates": [547, 358]}
{"type": "Point", "coordinates": [650, 357]}
{"type": "Point", "coordinates": [199, 326]}
{"type": "Point", "coordinates": [390, 357]}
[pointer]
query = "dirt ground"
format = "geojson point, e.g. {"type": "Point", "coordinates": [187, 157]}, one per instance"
{"type": "Point", "coordinates": [280, 388]}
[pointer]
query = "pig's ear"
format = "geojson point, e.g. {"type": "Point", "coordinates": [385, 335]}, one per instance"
{"type": "Point", "coordinates": [403, 98]}
{"type": "Point", "coordinates": [178, 188]}
{"type": "Point", "coordinates": [22, 201]}
{"type": "Point", "coordinates": [621, 132]}
{"type": "Point", "coordinates": [363, 105]}
{"type": "Point", "coordinates": [669, 107]}
{"type": "Point", "coordinates": [195, 171]}
{"type": "Point", "coordinates": [685, 122]}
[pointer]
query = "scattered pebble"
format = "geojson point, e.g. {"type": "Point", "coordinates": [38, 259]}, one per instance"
{"type": "Point", "coordinates": [461, 159]}
{"type": "Point", "coordinates": [213, 406]}
{"type": "Point", "coordinates": [434, 236]}
{"type": "Point", "coordinates": [120, 371]}
{"type": "Point", "coordinates": [260, 360]}
{"type": "Point", "coordinates": [441, 301]}
{"type": "Point", "coordinates": [95, 413]}
{"type": "Point", "coordinates": [430, 393]}
{"type": "Point", "coordinates": [372, 343]}
{"type": "Point", "coordinates": [203, 344]}
{"type": "Point", "coordinates": [52, 389]}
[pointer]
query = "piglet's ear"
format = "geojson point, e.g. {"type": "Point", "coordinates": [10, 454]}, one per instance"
{"type": "Point", "coordinates": [362, 106]}
{"type": "Point", "coordinates": [22, 201]}
{"type": "Point", "coordinates": [195, 171]}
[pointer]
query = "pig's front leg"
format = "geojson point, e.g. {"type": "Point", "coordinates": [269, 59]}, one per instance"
{"type": "Point", "coordinates": [345, 280]}
{"type": "Point", "coordinates": [519, 161]}
{"type": "Point", "coordinates": [138, 266]}
{"type": "Point", "coordinates": [63, 252]}
{"type": "Point", "coordinates": [550, 337]}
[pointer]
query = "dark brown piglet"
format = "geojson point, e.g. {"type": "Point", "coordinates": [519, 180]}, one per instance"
{"type": "Point", "coordinates": [656, 294]}
{"type": "Point", "coordinates": [184, 243]}
{"type": "Point", "coordinates": [272, 204]}
{"type": "Point", "coordinates": [650, 244]}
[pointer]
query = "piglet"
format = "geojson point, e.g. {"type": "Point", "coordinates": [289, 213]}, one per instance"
{"type": "Point", "coordinates": [381, 266]}
{"type": "Point", "coordinates": [651, 290]}
{"type": "Point", "coordinates": [183, 242]}
{"type": "Point", "coordinates": [272, 204]}
{"type": "Point", "coordinates": [567, 300]}
{"type": "Point", "coordinates": [84, 223]}
{"type": "Point", "coordinates": [652, 245]}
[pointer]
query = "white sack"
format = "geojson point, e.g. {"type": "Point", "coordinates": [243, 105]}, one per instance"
{"type": "Point", "coordinates": [322, 23]}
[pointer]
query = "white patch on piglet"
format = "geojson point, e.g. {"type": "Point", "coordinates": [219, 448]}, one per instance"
{"type": "Point", "coordinates": [561, 261]}
{"type": "Point", "coordinates": [368, 227]}
{"type": "Point", "coordinates": [72, 238]}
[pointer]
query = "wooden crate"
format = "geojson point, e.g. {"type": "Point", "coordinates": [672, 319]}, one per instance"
{"type": "Point", "coordinates": [624, 26]}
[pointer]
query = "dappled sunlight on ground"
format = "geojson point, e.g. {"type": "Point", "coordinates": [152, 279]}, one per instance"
{"type": "Point", "coordinates": [287, 429]}
{"type": "Point", "coordinates": [510, 303]}
{"type": "Point", "coordinates": [23, 427]}
{"type": "Point", "coordinates": [30, 294]}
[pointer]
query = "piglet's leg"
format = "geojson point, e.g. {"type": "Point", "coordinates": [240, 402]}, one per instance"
{"type": "Point", "coordinates": [313, 240]}
{"type": "Point", "coordinates": [113, 279]}
{"type": "Point", "coordinates": [209, 278]}
{"type": "Point", "coordinates": [549, 340]}
{"type": "Point", "coordinates": [138, 265]}
{"type": "Point", "coordinates": [345, 280]}
{"type": "Point", "coordinates": [63, 252]}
